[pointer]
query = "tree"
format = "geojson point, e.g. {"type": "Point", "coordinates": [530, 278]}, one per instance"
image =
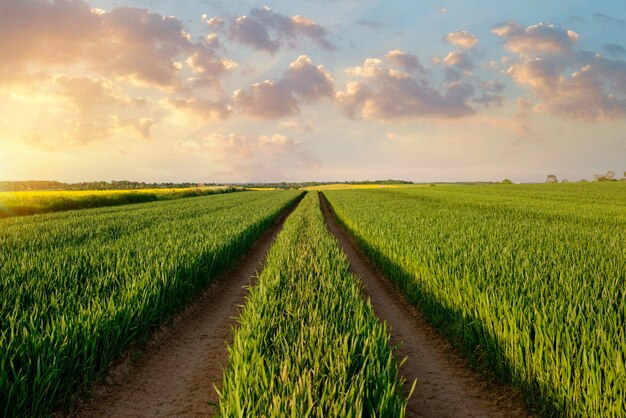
{"type": "Point", "coordinates": [608, 176]}
{"type": "Point", "coordinates": [552, 179]}
{"type": "Point", "coordinates": [507, 181]}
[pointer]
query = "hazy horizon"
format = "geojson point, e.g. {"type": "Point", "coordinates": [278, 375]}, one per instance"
{"type": "Point", "coordinates": [237, 92]}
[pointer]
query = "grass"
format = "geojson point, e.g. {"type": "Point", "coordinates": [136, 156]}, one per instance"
{"type": "Point", "coordinates": [78, 287]}
{"type": "Point", "coordinates": [356, 186]}
{"type": "Point", "coordinates": [33, 202]}
{"type": "Point", "coordinates": [307, 343]}
{"type": "Point", "coordinates": [527, 280]}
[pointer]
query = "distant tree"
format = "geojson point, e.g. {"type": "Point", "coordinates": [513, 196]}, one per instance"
{"type": "Point", "coordinates": [507, 181]}
{"type": "Point", "coordinates": [608, 176]}
{"type": "Point", "coordinates": [583, 181]}
{"type": "Point", "coordinates": [565, 181]}
{"type": "Point", "coordinates": [552, 179]}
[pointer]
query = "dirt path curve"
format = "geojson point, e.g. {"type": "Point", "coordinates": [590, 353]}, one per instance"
{"type": "Point", "coordinates": [176, 373]}
{"type": "Point", "coordinates": [446, 385]}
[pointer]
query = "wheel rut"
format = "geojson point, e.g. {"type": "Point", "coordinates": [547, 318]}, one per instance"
{"type": "Point", "coordinates": [176, 373]}
{"type": "Point", "coordinates": [446, 385]}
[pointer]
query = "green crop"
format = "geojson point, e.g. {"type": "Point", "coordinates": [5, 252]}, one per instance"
{"type": "Point", "coordinates": [44, 201]}
{"type": "Point", "coordinates": [307, 343]}
{"type": "Point", "coordinates": [528, 280]}
{"type": "Point", "coordinates": [76, 288]}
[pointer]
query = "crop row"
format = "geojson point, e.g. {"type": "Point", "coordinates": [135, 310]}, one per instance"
{"type": "Point", "coordinates": [32, 202]}
{"type": "Point", "coordinates": [529, 281]}
{"type": "Point", "coordinates": [307, 343]}
{"type": "Point", "coordinates": [78, 287]}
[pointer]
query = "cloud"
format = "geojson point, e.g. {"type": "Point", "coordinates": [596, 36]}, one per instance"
{"type": "Point", "coordinates": [371, 24]}
{"type": "Point", "coordinates": [265, 30]}
{"type": "Point", "coordinates": [208, 68]}
{"type": "Point", "coordinates": [535, 40]}
{"type": "Point", "coordinates": [307, 80]}
{"type": "Point", "coordinates": [89, 129]}
{"type": "Point", "coordinates": [143, 126]}
{"type": "Point", "coordinates": [462, 39]}
{"type": "Point", "coordinates": [275, 99]}
{"type": "Point", "coordinates": [67, 93]}
{"type": "Point", "coordinates": [459, 59]}
{"type": "Point", "coordinates": [252, 158]}
{"type": "Point", "coordinates": [608, 20]}
{"type": "Point", "coordinates": [615, 50]}
{"type": "Point", "coordinates": [266, 100]}
{"type": "Point", "coordinates": [215, 23]}
{"type": "Point", "coordinates": [408, 62]}
{"type": "Point", "coordinates": [389, 95]}
{"type": "Point", "coordinates": [578, 85]}
{"type": "Point", "coordinates": [594, 89]}
{"type": "Point", "coordinates": [126, 42]}
{"type": "Point", "coordinates": [292, 124]}
{"type": "Point", "coordinates": [89, 93]}
{"type": "Point", "coordinates": [205, 110]}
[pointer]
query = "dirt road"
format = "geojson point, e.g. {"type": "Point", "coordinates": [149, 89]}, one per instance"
{"type": "Point", "coordinates": [446, 385]}
{"type": "Point", "coordinates": [176, 372]}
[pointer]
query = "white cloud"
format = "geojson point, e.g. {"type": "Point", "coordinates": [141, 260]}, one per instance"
{"type": "Point", "coordinates": [462, 39]}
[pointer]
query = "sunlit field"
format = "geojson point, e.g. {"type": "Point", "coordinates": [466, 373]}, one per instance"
{"type": "Point", "coordinates": [316, 209]}
{"type": "Point", "coordinates": [43, 201]}
{"type": "Point", "coordinates": [528, 280]}
{"type": "Point", "coordinates": [78, 287]}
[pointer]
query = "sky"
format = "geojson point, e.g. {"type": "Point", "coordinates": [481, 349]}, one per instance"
{"type": "Point", "coordinates": [311, 90]}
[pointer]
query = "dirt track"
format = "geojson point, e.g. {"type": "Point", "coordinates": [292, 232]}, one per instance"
{"type": "Point", "coordinates": [176, 373]}
{"type": "Point", "coordinates": [446, 385]}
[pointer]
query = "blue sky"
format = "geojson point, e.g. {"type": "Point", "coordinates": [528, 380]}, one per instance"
{"type": "Point", "coordinates": [239, 91]}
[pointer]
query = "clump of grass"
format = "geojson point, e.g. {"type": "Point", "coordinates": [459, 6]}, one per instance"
{"type": "Point", "coordinates": [307, 343]}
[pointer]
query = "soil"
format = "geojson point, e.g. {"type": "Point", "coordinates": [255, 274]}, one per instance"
{"type": "Point", "coordinates": [176, 373]}
{"type": "Point", "coordinates": [446, 384]}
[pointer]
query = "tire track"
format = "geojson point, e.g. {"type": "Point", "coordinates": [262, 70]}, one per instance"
{"type": "Point", "coordinates": [175, 375]}
{"type": "Point", "coordinates": [446, 384]}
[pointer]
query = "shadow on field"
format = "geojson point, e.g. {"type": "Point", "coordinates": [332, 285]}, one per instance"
{"type": "Point", "coordinates": [486, 357]}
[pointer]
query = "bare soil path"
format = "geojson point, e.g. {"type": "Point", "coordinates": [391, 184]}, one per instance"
{"type": "Point", "coordinates": [446, 384]}
{"type": "Point", "coordinates": [174, 376]}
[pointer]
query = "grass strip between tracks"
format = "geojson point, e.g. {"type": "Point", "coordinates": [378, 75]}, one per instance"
{"type": "Point", "coordinates": [308, 343]}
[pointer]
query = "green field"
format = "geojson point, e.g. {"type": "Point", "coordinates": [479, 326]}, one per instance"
{"type": "Point", "coordinates": [78, 287]}
{"type": "Point", "coordinates": [527, 280]}
{"type": "Point", "coordinates": [32, 202]}
{"type": "Point", "coordinates": [338, 364]}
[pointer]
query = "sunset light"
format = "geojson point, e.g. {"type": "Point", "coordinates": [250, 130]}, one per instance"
{"type": "Point", "coordinates": [157, 91]}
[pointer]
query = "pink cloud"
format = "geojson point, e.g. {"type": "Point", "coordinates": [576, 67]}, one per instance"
{"type": "Point", "coordinates": [275, 99]}
{"type": "Point", "coordinates": [388, 95]}
{"type": "Point", "coordinates": [126, 42]}
{"type": "Point", "coordinates": [578, 85]}
{"type": "Point", "coordinates": [408, 62]}
{"type": "Point", "coordinates": [265, 30]}
{"type": "Point", "coordinates": [541, 38]}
